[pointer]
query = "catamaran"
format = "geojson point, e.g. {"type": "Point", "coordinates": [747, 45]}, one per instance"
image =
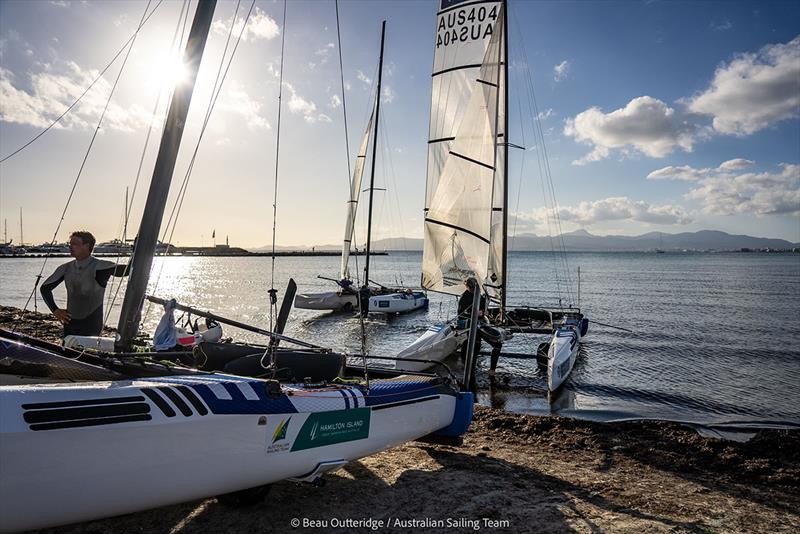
{"type": "Point", "coordinates": [131, 433]}
{"type": "Point", "coordinates": [378, 299]}
{"type": "Point", "coordinates": [466, 205]}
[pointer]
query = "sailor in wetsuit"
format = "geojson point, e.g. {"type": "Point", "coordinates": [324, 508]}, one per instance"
{"type": "Point", "coordinates": [86, 278]}
{"type": "Point", "coordinates": [485, 332]}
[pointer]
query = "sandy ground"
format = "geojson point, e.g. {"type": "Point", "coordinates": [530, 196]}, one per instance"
{"type": "Point", "coordinates": [517, 473]}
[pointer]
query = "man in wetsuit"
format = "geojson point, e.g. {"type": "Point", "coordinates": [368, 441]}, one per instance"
{"type": "Point", "coordinates": [86, 278]}
{"type": "Point", "coordinates": [485, 332]}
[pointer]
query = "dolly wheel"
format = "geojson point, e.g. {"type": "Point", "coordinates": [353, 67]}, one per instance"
{"type": "Point", "coordinates": [245, 497]}
{"type": "Point", "coordinates": [348, 306]}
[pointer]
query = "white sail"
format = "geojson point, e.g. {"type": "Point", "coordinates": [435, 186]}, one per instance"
{"type": "Point", "coordinates": [352, 203]}
{"type": "Point", "coordinates": [463, 222]}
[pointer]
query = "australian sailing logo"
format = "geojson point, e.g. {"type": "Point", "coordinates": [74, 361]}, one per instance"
{"type": "Point", "coordinates": [280, 432]}
{"type": "Point", "coordinates": [471, 23]}
{"type": "Point", "coordinates": [327, 428]}
{"type": "Point", "coordinates": [280, 435]}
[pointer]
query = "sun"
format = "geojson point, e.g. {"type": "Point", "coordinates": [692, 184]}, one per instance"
{"type": "Point", "coordinates": [168, 72]}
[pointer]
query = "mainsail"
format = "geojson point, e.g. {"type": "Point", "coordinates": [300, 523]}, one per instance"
{"type": "Point", "coordinates": [352, 203]}
{"type": "Point", "coordinates": [465, 199]}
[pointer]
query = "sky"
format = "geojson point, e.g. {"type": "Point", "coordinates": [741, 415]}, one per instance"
{"type": "Point", "coordinates": [657, 116]}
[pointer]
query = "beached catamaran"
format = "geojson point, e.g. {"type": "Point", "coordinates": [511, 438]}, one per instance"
{"type": "Point", "coordinates": [88, 435]}
{"type": "Point", "coordinates": [379, 299]}
{"type": "Point", "coordinates": [466, 204]}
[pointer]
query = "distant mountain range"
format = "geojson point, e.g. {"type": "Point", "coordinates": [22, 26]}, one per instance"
{"type": "Point", "coordinates": [583, 241]}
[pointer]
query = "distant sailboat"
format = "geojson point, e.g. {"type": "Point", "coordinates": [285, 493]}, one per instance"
{"type": "Point", "coordinates": [379, 299]}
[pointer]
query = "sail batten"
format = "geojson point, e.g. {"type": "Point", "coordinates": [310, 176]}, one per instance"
{"type": "Point", "coordinates": [464, 204]}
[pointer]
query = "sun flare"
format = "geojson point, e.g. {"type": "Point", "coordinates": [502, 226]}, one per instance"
{"type": "Point", "coordinates": [169, 72]}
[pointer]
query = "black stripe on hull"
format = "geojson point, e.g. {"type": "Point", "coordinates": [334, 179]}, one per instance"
{"type": "Point", "coordinates": [196, 402]}
{"type": "Point", "coordinates": [159, 401]}
{"type": "Point", "coordinates": [91, 422]}
{"type": "Point", "coordinates": [404, 403]}
{"type": "Point", "coordinates": [88, 402]}
{"type": "Point", "coordinates": [176, 400]}
{"type": "Point", "coordinates": [85, 412]}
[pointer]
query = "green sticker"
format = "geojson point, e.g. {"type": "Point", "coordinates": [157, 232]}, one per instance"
{"type": "Point", "coordinates": [326, 428]}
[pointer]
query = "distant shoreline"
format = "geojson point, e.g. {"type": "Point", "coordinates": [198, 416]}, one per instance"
{"type": "Point", "coordinates": [237, 254]}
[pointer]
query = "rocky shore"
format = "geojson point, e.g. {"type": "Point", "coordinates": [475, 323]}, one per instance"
{"type": "Point", "coordinates": [516, 473]}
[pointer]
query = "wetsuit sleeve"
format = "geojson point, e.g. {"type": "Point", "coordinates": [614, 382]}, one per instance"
{"type": "Point", "coordinates": [102, 275]}
{"type": "Point", "coordinates": [47, 287]}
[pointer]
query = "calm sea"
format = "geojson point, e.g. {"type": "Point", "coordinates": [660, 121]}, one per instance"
{"type": "Point", "coordinates": [714, 338]}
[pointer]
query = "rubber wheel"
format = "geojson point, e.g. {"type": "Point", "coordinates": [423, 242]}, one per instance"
{"type": "Point", "coordinates": [243, 498]}
{"type": "Point", "coordinates": [348, 306]}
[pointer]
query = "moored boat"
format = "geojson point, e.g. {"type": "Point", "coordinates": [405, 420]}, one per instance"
{"type": "Point", "coordinates": [139, 436]}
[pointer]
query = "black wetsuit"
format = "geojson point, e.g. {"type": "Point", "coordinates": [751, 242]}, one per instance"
{"type": "Point", "coordinates": [86, 282]}
{"type": "Point", "coordinates": [485, 332]}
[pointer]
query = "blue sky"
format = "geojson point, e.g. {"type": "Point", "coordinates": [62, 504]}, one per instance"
{"type": "Point", "coordinates": [658, 116]}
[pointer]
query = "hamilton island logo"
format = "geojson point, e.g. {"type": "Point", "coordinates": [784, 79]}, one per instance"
{"type": "Point", "coordinates": [280, 432]}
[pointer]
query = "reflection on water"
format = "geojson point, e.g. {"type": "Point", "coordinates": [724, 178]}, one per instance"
{"type": "Point", "coordinates": [715, 336]}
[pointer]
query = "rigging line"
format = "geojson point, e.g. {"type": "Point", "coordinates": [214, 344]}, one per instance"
{"type": "Point", "coordinates": [215, 92]}
{"type": "Point", "coordinates": [344, 105]}
{"type": "Point", "coordinates": [176, 40]}
{"type": "Point", "coordinates": [277, 154]}
{"type": "Point", "coordinates": [393, 176]}
{"type": "Point", "coordinates": [556, 216]}
{"type": "Point", "coordinates": [542, 175]}
{"type": "Point", "coordinates": [113, 60]}
{"type": "Point", "coordinates": [522, 167]}
{"type": "Point", "coordinates": [86, 156]}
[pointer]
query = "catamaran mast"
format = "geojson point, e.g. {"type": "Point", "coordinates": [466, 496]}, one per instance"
{"type": "Point", "coordinates": [374, 150]}
{"type": "Point", "coordinates": [146, 240]}
{"type": "Point", "coordinates": [504, 144]}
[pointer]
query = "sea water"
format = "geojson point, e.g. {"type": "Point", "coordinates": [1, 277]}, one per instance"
{"type": "Point", "coordinates": [712, 339]}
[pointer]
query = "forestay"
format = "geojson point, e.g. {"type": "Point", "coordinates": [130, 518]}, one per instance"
{"type": "Point", "coordinates": [352, 203]}
{"type": "Point", "coordinates": [464, 234]}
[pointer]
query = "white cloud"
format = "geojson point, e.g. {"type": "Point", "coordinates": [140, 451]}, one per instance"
{"type": "Point", "coordinates": [645, 124]}
{"type": "Point", "coordinates": [307, 108]}
{"type": "Point", "coordinates": [54, 89]}
{"type": "Point", "coordinates": [323, 51]}
{"type": "Point", "coordinates": [608, 209]}
{"type": "Point", "coordinates": [561, 71]}
{"type": "Point", "coordinates": [683, 173]}
{"type": "Point", "coordinates": [754, 90]}
{"type": "Point", "coordinates": [237, 101]}
{"type": "Point", "coordinates": [336, 101]}
{"type": "Point", "coordinates": [388, 95]}
{"type": "Point", "coordinates": [546, 114]}
{"type": "Point", "coordinates": [737, 163]}
{"type": "Point", "coordinates": [259, 26]}
{"type": "Point", "coordinates": [686, 173]}
{"type": "Point", "coordinates": [721, 25]}
{"type": "Point", "coordinates": [727, 193]}
{"type": "Point", "coordinates": [60, 3]}
{"type": "Point", "coordinates": [366, 80]}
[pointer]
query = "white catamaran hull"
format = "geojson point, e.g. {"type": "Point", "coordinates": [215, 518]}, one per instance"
{"type": "Point", "coordinates": [398, 302]}
{"type": "Point", "coordinates": [561, 356]}
{"type": "Point", "coordinates": [437, 343]}
{"type": "Point", "coordinates": [80, 451]}
{"type": "Point", "coordinates": [330, 300]}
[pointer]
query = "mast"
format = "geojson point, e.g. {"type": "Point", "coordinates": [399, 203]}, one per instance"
{"type": "Point", "coordinates": [21, 239]}
{"type": "Point", "coordinates": [147, 238]}
{"type": "Point", "coordinates": [374, 150]}
{"type": "Point", "coordinates": [504, 272]}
